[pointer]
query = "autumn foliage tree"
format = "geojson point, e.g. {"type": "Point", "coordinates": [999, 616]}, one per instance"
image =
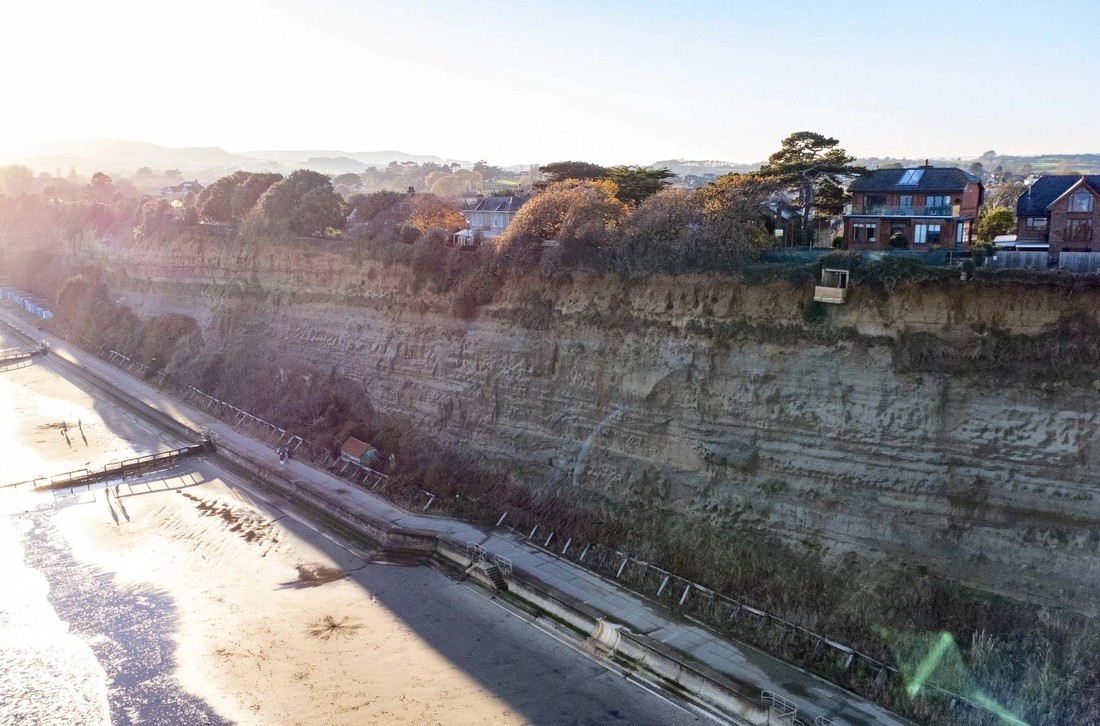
{"type": "Point", "coordinates": [580, 214]}
{"type": "Point", "coordinates": [664, 234]}
{"type": "Point", "coordinates": [733, 227]}
{"type": "Point", "coordinates": [426, 211]}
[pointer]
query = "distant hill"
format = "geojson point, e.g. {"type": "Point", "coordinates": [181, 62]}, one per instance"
{"type": "Point", "coordinates": [124, 157]}
{"type": "Point", "coordinates": [362, 158]}
{"type": "Point", "coordinates": [683, 167]}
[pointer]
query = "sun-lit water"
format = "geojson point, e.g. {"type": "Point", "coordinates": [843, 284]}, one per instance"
{"type": "Point", "coordinates": [76, 646]}
{"type": "Point", "coordinates": [48, 674]}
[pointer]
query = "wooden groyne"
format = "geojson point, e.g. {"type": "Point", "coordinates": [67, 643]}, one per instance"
{"type": "Point", "coordinates": [116, 470]}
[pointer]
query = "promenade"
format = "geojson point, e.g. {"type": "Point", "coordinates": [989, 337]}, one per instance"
{"type": "Point", "coordinates": [751, 669]}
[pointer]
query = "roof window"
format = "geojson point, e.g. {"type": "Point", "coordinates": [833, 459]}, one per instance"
{"type": "Point", "coordinates": [911, 176]}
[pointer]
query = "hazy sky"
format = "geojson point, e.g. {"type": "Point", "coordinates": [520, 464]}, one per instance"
{"type": "Point", "coordinates": [516, 81]}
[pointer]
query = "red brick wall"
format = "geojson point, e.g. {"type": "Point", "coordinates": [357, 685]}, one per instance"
{"type": "Point", "coordinates": [1059, 218]}
{"type": "Point", "coordinates": [1023, 233]}
{"type": "Point", "coordinates": [948, 227]}
{"type": "Point", "coordinates": [970, 199]}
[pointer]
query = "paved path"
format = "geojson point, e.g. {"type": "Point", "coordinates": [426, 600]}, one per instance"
{"type": "Point", "coordinates": [814, 696]}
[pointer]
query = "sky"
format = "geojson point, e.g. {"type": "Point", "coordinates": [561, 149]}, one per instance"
{"type": "Point", "coordinates": [533, 82]}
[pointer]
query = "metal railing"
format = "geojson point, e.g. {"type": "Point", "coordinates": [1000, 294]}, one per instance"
{"type": "Point", "coordinates": [897, 210]}
{"type": "Point", "coordinates": [114, 470]}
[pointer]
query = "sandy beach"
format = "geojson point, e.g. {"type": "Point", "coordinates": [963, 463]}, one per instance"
{"type": "Point", "coordinates": [206, 605]}
{"type": "Point", "coordinates": [276, 625]}
{"type": "Point", "coordinates": [50, 426]}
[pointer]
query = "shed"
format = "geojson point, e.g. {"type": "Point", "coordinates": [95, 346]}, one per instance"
{"type": "Point", "coordinates": [833, 287]}
{"type": "Point", "coordinates": [358, 452]}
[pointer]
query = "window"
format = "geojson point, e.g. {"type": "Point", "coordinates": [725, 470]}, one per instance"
{"type": "Point", "coordinates": [926, 234]}
{"type": "Point", "coordinates": [1036, 224]}
{"type": "Point", "coordinates": [911, 177]}
{"type": "Point", "coordinates": [873, 203]}
{"type": "Point", "coordinates": [1080, 201]}
{"type": "Point", "coordinates": [864, 232]}
{"type": "Point", "coordinates": [1078, 230]}
{"type": "Point", "coordinates": [940, 204]}
{"type": "Point", "coordinates": [962, 233]}
{"type": "Point", "coordinates": [905, 201]}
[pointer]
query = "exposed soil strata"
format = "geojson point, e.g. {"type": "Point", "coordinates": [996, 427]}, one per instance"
{"type": "Point", "coordinates": [708, 397]}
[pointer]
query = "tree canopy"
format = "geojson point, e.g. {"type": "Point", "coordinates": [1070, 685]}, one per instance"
{"type": "Point", "coordinates": [819, 167]}
{"type": "Point", "coordinates": [16, 179]}
{"type": "Point", "coordinates": [732, 219]}
{"type": "Point", "coordinates": [303, 204]}
{"type": "Point", "coordinates": [993, 222]}
{"type": "Point", "coordinates": [563, 170]}
{"type": "Point", "coordinates": [232, 197]}
{"type": "Point", "coordinates": [573, 212]}
{"type": "Point", "coordinates": [636, 183]}
{"type": "Point", "coordinates": [804, 153]}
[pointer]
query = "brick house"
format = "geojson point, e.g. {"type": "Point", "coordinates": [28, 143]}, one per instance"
{"type": "Point", "coordinates": [930, 206]}
{"type": "Point", "coordinates": [1062, 210]}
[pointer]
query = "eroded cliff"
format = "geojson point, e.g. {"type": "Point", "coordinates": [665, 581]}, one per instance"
{"type": "Point", "coordinates": [702, 395]}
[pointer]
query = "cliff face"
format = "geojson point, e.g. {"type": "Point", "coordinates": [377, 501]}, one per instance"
{"type": "Point", "coordinates": [663, 393]}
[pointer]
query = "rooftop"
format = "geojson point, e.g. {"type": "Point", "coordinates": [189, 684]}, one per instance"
{"type": "Point", "coordinates": [919, 179]}
{"type": "Point", "coordinates": [499, 204]}
{"type": "Point", "coordinates": [1045, 189]}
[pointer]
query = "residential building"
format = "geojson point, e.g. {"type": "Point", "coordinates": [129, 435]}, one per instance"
{"type": "Point", "coordinates": [1062, 211]}
{"type": "Point", "coordinates": [181, 190]}
{"type": "Point", "coordinates": [487, 219]}
{"type": "Point", "coordinates": [917, 208]}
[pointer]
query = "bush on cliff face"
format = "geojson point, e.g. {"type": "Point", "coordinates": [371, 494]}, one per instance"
{"type": "Point", "coordinates": [84, 304]}
{"type": "Point", "coordinates": [475, 290]}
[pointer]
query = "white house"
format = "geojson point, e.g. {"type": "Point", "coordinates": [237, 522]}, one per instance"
{"type": "Point", "coordinates": [487, 219]}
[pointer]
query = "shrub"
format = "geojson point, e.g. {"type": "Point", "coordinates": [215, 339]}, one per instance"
{"type": "Point", "coordinates": [475, 290]}
{"type": "Point", "coordinates": [815, 313]}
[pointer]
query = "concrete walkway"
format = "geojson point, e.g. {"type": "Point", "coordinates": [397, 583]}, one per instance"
{"type": "Point", "coordinates": [742, 663]}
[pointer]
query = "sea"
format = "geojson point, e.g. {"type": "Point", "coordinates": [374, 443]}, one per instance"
{"type": "Point", "coordinates": [76, 646]}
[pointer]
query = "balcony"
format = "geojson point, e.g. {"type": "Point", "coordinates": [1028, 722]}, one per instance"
{"type": "Point", "coordinates": [890, 210]}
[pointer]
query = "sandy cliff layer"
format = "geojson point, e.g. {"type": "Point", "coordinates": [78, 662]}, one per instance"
{"type": "Point", "coordinates": [618, 387]}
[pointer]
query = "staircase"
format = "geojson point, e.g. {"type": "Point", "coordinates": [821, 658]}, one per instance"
{"type": "Point", "coordinates": [495, 575]}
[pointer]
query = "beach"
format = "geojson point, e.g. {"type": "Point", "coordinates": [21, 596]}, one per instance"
{"type": "Point", "coordinates": [181, 597]}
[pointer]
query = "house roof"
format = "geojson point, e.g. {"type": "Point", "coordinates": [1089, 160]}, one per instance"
{"type": "Point", "coordinates": [1045, 190]}
{"type": "Point", "coordinates": [499, 204]}
{"type": "Point", "coordinates": [354, 447]}
{"type": "Point", "coordinates": [53, 181]}
{"type": "Point", "coordinates": [927, 179]}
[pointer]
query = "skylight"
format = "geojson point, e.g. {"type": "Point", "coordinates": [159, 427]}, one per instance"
{"type": "Point", "coordinates": [911, 176]}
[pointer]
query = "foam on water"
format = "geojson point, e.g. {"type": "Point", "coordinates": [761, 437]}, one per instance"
{"type": "Point", "coordinates": [48, 675]}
